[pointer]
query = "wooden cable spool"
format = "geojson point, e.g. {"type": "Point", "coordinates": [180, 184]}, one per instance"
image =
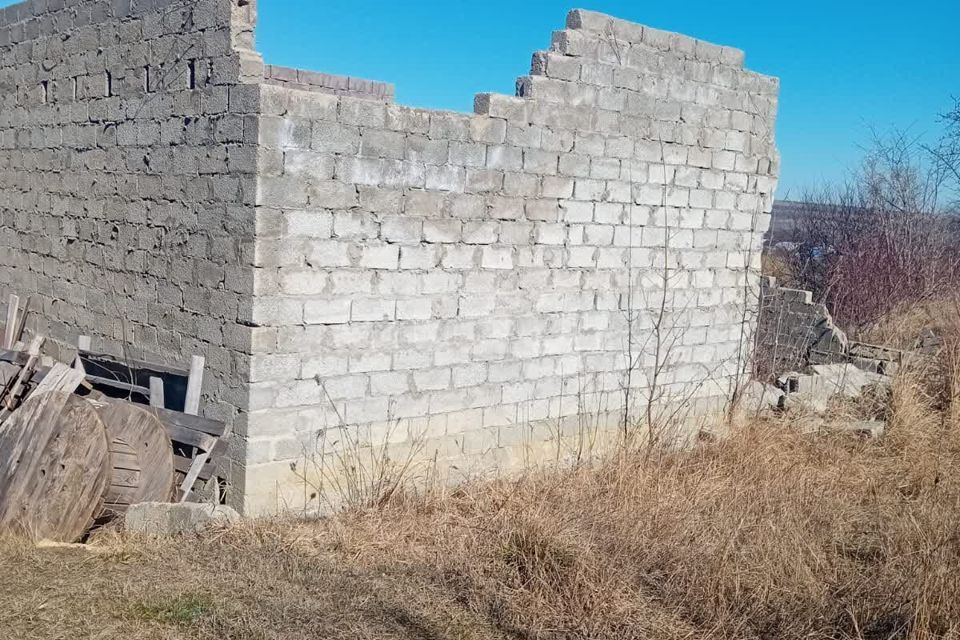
{"type": "Point", "coordinates": [141, 458]}
{"type": "Point", "coordinates": [54, 467]}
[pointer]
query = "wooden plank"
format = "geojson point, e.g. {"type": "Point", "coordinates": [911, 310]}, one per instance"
{"type": "Point", "coordinates": [54, 467]}
{"type": "Point", "coordinates": [156, 392]}
{"type": "Point", "coordinates": [118, 384]}
{"type": "Point", "coordinates": [83, 344]}
{"type": "Point", "coordinates": [183, 465]}
{"type": "Point", "coordinates": [21, 321]}
{"type": "Point", "coordinates": [13, 306]}
{"type": "Point", "coordinates": [111, 362]}
{"type": "Point", "coordinates": [186, 487]}
{"type": "Point", "coordinates": [17, 388]}
{"type": "Point", "coordinates": [25, 376]}
{"type": "Point", "coordinates": [11, 373]}
{"type": "Point", "coordinates": [122, 459]}
{"type": "Point", "coordinates": [186, 421]}
{"type": "Point", "coordinates": [127, 479]}
{"type": "Point", "coordinates": [202, 468]}
{"type": "Point", "coordinates": [60, 378]}
{"type": "Point", "coordinates": [194, 385]}
{"type": "Point", "coordinates": [189, 436]}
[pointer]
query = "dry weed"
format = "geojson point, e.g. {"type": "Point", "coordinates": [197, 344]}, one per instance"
{"type": "Point", "coordinates": [770, 533]}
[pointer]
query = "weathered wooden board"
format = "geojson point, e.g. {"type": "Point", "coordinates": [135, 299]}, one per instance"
{"type": "Point", "coordinates": [60, 378]}
{"type": "Point", "coordinates": [21, 321]}
{"type": "Point", "coordinates": [141, 455]}
{"type": "Point", "coordinates": [10, 327]}
{"type": "Point", "coordinates": [54, 467]}
{"type": "Point", "coordinates": [18, 389]}
{"type": "Point", "coordinates": [177, 422]}
{"type": "Point", "coordinates": [191, 404]}
{"type": "Point", "coordinates": [122, 378]}
{"type": "Point", "coordinates": [157, 397]}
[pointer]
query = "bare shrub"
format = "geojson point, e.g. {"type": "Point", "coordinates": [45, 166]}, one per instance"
{"type": "Point", "coordinates": [887, 238]}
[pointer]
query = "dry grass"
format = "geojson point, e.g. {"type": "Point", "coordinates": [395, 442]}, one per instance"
{"type": "Point", "coordinates": [905, 325]}
{"type": "Point", "coordinates": [770, 534]}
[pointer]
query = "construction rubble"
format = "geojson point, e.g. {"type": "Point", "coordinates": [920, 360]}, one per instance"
{"type": "Point", "coordinates": [811, 393]}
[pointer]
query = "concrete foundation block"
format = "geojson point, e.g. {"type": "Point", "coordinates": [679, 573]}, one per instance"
{"type": "Point", "coordinates": [165, 519]}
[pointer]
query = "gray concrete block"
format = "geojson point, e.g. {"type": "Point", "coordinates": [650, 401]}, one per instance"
{"type": "Point", "coordinates": [165, 519]}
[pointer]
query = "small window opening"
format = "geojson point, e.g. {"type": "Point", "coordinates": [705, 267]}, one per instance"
{"type": "Point", "coordinates": [44, 91]}
{"type": "Point", "coordinates": [192, 74]}
{"type": "Point", "coordinates": [146, 79]}
{"type": "Point", "coordinates": [108, 88]}
{"type": "Point", "coordinates": [73, 87]}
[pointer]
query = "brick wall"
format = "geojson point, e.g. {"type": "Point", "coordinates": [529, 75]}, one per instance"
{"type": "Point", "coordinates": [127, 180]}
{"type": "Point", "coordinates": [478, 289]}
{"type": "Point", "coordinates": [465, 284]}
{"type": "Point", "coordinates": [794, 332]}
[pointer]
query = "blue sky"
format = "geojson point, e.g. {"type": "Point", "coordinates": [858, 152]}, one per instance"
{"type": "Point", "coordinates": [845, 66]}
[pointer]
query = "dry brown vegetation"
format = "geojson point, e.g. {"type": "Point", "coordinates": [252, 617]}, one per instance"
{"type": "Point", "coordinates": [887, 237]}
{"type": "Point", "coordinates": [769, 534]}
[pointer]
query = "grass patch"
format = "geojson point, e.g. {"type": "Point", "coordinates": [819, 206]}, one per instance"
{"type": "Point", "coordinates": [187, 609]}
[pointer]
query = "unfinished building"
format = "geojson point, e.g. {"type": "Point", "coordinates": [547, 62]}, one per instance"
{"type": "Point", "coordinates": [476, 290]}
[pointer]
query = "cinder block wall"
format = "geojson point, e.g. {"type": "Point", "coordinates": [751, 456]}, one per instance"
{"type": "Point", "coordinates": [484, 290]}
{"type": "Point", "coordinates": [128, 153]}
{"type": "Point", "coordinates": [793, 331]}
{"type": "Point", "coordinates": [470, 286]}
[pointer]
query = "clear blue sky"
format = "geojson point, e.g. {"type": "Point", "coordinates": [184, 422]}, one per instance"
{"type": "Point", "coordinates": [845, 66]}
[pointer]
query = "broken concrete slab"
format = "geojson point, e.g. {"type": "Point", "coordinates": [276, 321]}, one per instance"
{"type": "Point", "coordinates": [816, 424]}
{"type": "Point", "coordinates": [864, 428]}
{"type": "Point", "coordinates": [844, 379]}
{"type": "Point", "coordinates": [807, 402]}
{"type": "Point", "coordinates": [757, 397]}
{"type": "Point", "coordinates": [813, 391]}
{"type": "Point", "coordinates": [164, 519]}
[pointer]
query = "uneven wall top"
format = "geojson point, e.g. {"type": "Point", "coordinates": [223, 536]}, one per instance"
{"type": "Point", "coordinates": [619, 32]}
{"type": "Point", "coordinates": [328, 83]}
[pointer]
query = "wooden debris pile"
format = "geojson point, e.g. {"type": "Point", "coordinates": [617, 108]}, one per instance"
{"type": "Point", "coordinates": [80, 443]}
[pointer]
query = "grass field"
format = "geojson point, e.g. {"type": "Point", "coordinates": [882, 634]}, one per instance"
{"type": "Point", "coordinates": [769, 534]}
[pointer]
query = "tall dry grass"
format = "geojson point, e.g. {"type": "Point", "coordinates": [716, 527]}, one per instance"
{"type": "Point", "coordinates": [769, 534]}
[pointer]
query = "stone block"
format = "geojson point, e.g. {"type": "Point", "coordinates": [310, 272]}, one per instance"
{"type": "Point", "coordinates": [380, 257]}
{"type": "Point", "coordinates": [163, 519]}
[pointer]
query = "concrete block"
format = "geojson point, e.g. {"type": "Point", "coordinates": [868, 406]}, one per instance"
{"type": "Point", "coordinates": [380, 257]}
{"type": "Point", "coordinates": [163, 519]}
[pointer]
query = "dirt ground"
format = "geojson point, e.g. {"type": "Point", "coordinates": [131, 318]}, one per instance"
{"type": "Point", "coordinates": [210, 588]}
